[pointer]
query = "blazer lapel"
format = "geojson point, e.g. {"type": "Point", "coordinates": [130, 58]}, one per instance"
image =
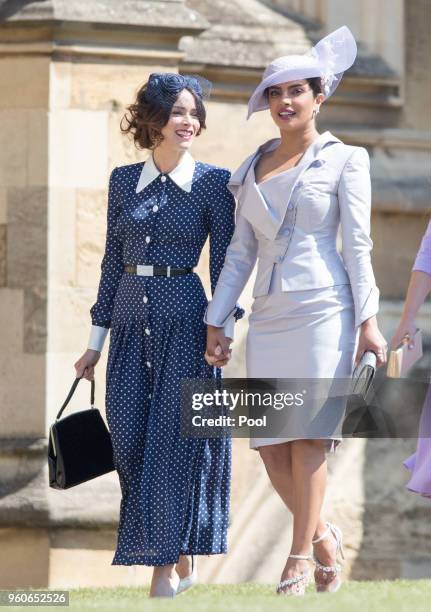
{"type": "Point", "coordinates": [236, 181]}
{"type": "Point", "coordinates": [267, 214]}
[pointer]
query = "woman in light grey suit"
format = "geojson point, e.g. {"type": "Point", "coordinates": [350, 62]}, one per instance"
{"type": "Point", "coordinates": [314, 313]}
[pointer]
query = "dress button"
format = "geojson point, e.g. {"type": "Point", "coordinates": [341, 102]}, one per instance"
{"type": "Point", "coordinates": [147, 331]}
{"type": "Point", "coordinates": [147, 239]}
{"type": "Point", "coordinates": [149, 395]}
{"type": "Point", "coordinates": [163, 178]}
{"type": "Point", "coordinates": [155, 208]}
{"type": "Point", "coordinates": [148, 364]}
{"type": "Point", "coordinates": [145, 299]}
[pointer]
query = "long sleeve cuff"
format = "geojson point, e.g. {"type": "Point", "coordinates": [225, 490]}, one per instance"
{"type": "Point", "coordinates": [229, 328]}
{"type": "Point", "coordinates": [228, 323]}
{"type": "Point", "coordinates": [367, 307]}
{"type": "Point", "coordinates": [97, 337]}
{"type": "Point", "coordinates": [422, 264]}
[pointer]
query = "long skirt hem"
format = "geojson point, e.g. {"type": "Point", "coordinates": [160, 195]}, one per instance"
{"type": "Point", "coordinates": [166, 561]}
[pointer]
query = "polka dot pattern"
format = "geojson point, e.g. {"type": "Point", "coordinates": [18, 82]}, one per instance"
{"type": "Point", "coordinates": [175, 491]}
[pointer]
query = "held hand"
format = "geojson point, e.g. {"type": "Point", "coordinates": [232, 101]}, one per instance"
{"type": "Point", "coordinates": [85, 364]}
{"type": "Point", "coordinates": [405, 333]}
{"type": "Point", "coordinates": [218, 352]}
{"type": "Point", "coordinates": [371, 339]}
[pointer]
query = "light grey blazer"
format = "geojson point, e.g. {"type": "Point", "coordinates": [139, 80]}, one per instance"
{"type": "Point", "coordinates": [330, 187]}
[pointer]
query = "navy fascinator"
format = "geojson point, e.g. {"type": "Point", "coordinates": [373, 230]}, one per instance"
{"type": "Point", "coordinates": [163, 88]}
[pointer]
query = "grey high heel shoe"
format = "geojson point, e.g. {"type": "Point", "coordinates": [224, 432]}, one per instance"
{"type": "Point", "coordinates": [327, 577]}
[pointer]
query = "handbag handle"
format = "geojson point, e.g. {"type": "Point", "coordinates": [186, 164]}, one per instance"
{"type": "Point", "coordinates": [72, 391]}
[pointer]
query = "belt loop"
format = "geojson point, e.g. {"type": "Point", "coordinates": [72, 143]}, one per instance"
{"type": "Point", "coordinates": [168, 271]}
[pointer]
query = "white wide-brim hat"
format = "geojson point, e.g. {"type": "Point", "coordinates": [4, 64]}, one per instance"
{"type": "Point", "coordinates": [328, 59]}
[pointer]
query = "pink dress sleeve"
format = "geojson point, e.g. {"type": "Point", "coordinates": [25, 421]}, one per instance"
{"type": "Point", "coordinates": [423, 257]}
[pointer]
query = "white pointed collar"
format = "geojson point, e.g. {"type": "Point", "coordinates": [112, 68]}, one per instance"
{"type": "Point", "coordinates": [182, 174]}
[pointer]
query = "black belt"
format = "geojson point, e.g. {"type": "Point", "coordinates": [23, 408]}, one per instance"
{"type": "Point", "coordinates": [155, 270]}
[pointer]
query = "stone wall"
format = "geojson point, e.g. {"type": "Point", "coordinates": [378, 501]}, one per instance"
{"type": "Point", "coordinates": [417, 87]}
{"type": "Point", "coordinates": [379, 26]}
{"type": "Point", "coordinates": [23, 243]}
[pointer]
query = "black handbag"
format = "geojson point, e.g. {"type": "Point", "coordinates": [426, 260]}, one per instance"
{"type": "Point", "coordinates": [79, 446]}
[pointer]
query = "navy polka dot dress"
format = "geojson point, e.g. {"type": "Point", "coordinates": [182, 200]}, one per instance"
{"type": "Point", "coordinates": [175, 491]}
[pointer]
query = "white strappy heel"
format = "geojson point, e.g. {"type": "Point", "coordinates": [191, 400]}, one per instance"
{"type": "Point", "coordinates": [190, 580]}
{"type": "Point", "coordinates": [298, 582]}
{"type": "Point", "coordinates": [329, 572]}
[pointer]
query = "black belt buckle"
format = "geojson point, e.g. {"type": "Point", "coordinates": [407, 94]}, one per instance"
{"type": "Point", "coordinates": [160, 270]}
{"type": "Point", "coordinates": [163, 271]}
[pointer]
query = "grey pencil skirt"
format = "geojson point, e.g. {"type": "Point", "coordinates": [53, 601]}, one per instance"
{"type": "Point", "coordinates": [303, 334]}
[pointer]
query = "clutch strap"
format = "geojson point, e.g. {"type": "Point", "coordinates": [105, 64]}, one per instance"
{"type": "Point", "coordinates": [72, 391]}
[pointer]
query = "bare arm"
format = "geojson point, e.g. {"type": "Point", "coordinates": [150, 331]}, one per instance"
{"type": "Point", "coordinates": [418, 289]}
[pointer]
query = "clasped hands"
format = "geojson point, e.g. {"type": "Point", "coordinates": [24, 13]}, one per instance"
{"type": "Point", "coordinates": [218, 352]}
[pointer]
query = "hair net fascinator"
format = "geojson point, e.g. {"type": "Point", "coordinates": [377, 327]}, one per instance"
{"type": "Point", "coordinates": [163, 88]}
{"type": "Point", "coordinates": [328, 59]}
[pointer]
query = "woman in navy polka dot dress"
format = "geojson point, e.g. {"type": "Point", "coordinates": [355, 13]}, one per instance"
{"type": "Point", "coordinates": [175, 490]}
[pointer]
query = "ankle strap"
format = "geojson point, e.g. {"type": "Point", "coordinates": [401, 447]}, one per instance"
{"type": "Point", "coordinates": [323, 536]}
{"type": "Point", "coordinates": [304, 557]}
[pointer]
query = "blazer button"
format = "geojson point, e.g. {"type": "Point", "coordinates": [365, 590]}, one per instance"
{"type": "Point", "coordinates": [279, 259]}
{"type": "Point", "coordinates": [299, 184]}
{"type": "Point", "coordinates": [290, 206]}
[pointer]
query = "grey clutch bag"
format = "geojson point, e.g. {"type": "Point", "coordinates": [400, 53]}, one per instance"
{"type": "Point", "coordinates": [363, 374]}
{"type": "Point", "coordinates": [360, 418]}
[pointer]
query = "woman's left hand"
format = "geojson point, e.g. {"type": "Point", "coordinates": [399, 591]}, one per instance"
{"type": "Point", "coordinates": [217, 352]}
{"type": "Point", "coordinates": [371, 339]}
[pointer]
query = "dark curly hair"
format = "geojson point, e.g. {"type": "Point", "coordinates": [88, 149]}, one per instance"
{"type": "Point", "coordinates": [151, 110]}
